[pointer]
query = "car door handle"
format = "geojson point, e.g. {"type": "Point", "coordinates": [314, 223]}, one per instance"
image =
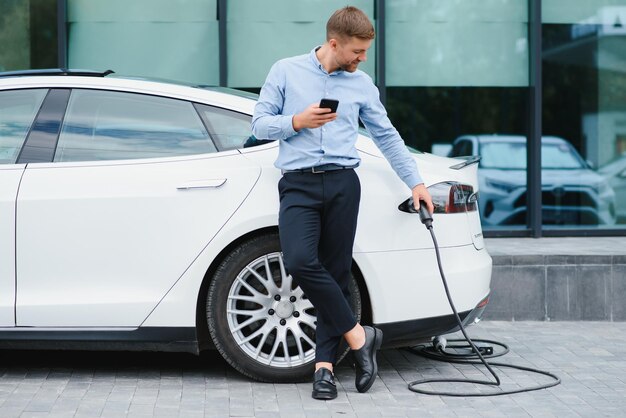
{"type": "Point", "coordinates": [202, 184]}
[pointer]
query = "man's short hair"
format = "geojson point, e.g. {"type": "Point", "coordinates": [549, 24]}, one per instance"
{"type": "Point", "coordinates": [348, 22]}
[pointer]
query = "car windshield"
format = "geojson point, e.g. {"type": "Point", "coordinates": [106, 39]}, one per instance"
{"type": "Point", "coordinates": [512, 156]}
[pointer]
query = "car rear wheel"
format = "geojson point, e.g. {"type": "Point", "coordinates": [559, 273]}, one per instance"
{"type": "Point", "coordinates": [259, 319]}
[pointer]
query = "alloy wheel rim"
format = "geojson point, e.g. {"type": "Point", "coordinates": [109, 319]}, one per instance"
{"type": "Point", "coordinates": [270, 318]}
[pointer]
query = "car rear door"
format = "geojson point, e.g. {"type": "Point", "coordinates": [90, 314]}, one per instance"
{"type": "Point", "coordinates": [18, 109]}
{"type": "Point", "coordinates": [9, 182]}
{"type": "Point", "coordinates": [135, 191]}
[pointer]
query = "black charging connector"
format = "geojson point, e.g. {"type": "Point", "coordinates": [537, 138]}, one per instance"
{"type": "Point", "coordinates": [439, 343]}
{"type": "Point", "coordinates": [425, 216]}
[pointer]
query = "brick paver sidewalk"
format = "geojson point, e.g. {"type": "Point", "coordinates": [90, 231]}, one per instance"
{"type": "Point", "coordinates": [590, 358]}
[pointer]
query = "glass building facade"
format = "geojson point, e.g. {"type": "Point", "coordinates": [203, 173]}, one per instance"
{"type": "Point", "coordinates": [537, 88]}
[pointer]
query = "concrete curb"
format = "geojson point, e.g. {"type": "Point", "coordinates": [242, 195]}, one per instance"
{"type": "Point", "coordinates": [553, 287]}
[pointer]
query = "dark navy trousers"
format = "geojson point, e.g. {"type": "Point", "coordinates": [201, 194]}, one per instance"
{"type": "Point", "coordinates": [317, 224]}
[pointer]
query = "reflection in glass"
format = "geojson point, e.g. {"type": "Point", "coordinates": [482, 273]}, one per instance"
{"type": "Point", "coordinates": [584, 91]}
{"type": "Point", "coordinates": [512, 155]}
{"type": "Point", "coordinates": [101, 125]}
{"type": "Point", "coordinates": [230, 130]}
{"type": "Point", "coordinates": [17, 112]}
{"type": "Point", "coordinates": [572, 193]}
{"type": "Point", "coordinates": [615, 173]}
{"type": "Point", "coordinates": [430, 118]}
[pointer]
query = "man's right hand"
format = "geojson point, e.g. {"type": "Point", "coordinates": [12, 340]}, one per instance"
{"type": "Point", "coordinates": [313, 116]}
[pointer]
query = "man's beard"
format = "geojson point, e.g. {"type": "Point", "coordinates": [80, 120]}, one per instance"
{"type": "Point", "coordinates": [350, 67]}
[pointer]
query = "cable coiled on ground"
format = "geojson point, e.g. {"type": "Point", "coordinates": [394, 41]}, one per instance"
{"type": "Point", "coordinates": [438, 350]}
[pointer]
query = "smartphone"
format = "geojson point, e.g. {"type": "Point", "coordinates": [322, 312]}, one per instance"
{"type": "Point", "coordinates": [330, 103]}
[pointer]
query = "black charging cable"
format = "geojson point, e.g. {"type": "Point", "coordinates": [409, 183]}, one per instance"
{"type": "Point", "coordinates": [440, 344]}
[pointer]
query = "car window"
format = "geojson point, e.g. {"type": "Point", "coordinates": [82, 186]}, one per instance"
{"type": "Point", "coordinates": [512, 155]}
{"type": "Point", "coordinates": [560, 156]}
{"type": "Point", "coordinates": [229, 129]}
{"type": "Point", "coordinates": [106, 125]}
{"type": "Point", "coordinates": [18, 109]}
{"type": "Point", "coordinates": [462, 148]}
{"type": "Point", "coordinates": [505, 155]}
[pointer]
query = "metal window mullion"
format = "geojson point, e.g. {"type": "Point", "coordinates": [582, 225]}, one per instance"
{"type": "Point", "coordinates": [62, 33]}
{"type": "Point", "coordinates": [379, 9]}
{"type": "Point", "coordinates": [533, 190]}
{"type": "Point", "coordinates": [223, 53]}
{"type": "Point", "coordinates": [41, 141]}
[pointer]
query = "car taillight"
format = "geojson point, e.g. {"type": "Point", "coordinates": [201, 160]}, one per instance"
{"type": "Point", "coordinates": [452, 197]}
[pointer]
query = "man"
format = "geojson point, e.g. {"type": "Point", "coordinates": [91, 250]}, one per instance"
{"type": "Point", "coordinates": [319, 190]}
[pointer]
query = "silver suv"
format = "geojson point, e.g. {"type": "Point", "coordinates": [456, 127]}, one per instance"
{"type": "Point", "coordinates": [572, 193]}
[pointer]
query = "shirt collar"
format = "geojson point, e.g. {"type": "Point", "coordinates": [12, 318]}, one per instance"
{"type": "Point", "coordinates": [319, 65]}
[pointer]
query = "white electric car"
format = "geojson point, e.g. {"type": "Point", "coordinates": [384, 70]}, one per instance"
{"type": "Point", "coordinates": [137, 214]}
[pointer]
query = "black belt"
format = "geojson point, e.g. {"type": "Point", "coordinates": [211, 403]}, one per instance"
{"type": "Point", "coordinates": [322, 168]}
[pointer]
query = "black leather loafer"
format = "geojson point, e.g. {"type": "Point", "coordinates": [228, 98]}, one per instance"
{"type": "Point", "coordinates": [365, 359]}
{"type": "Point", "coordinates": [324, 384]}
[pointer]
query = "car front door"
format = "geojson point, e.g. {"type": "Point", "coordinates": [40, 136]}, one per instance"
{"type": "Point", "coordinates": [135, 191]}
{"type": "Point", "coordinates": [18, 109]}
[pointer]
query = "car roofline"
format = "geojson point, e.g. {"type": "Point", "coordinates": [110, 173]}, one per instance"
{"type": "Point", "coordinates": [56, 72]}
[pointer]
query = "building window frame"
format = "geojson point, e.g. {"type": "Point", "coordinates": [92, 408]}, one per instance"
{"type": "Point", "coordinates": [534, 227]}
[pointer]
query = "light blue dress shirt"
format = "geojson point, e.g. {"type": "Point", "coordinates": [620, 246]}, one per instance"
{"type": "Point", "coordinates": [295, 83]}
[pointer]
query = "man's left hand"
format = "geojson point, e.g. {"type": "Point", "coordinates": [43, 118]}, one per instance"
{"type": "Point", "coordinates": [420, 192]}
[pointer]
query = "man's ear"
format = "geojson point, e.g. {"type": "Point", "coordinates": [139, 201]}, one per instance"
{"type": "Point", "coordinates": [332, 42]}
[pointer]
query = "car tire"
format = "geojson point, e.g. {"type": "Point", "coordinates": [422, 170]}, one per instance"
{"type": "Point", "coordinates": [263, 328]}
